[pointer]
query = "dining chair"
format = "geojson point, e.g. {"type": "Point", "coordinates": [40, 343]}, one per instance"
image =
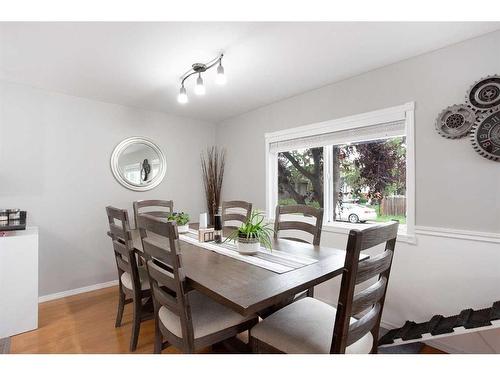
{"type": "Point", "coordinates": [296, 225]}
{"type": "Point", "coordinates": [313, 229]}
{"type": "Point", "coordinates": [133, 280]}
{"type": "Point", "coordinates": [151, 207]}
{"type": "Point", "coordinates": [235, 211]}
{"type": "Point", "coordinates": [184, 318]}
{"type": "Point", "coordinates": [311, 326]}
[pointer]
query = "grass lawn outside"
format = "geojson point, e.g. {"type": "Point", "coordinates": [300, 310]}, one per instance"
{"type": "Point", "coordinates": [384, 218]}
{"type": "Point", "coordinates": [380, 218]}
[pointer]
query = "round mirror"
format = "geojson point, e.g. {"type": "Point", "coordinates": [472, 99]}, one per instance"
{"type": "Point", "coordinates": [138, 164]}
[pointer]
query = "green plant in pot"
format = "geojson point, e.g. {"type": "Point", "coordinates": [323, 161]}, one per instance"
{"type": "Point", "coordinates": [182, 220]}
{"type": "Point", "coordinates": [252, 234]}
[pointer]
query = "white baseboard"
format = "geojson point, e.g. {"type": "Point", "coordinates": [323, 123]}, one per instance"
{"type": "Point", "coordinates": [67, 293]}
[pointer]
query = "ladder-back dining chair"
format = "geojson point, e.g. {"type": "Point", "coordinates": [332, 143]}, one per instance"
{"type": "Point", "coordinates": [133, 280]}
{"type": "Point", "coordinates": [152, 207]}
{"type": "Point", "coordinates": [312, 326]}
{"type": "Point", "coordinates": [235, 211]}
{"type": "Point", "coordinates": [186, 319]}
{"type": "Point", "coordinates": [314, 228]}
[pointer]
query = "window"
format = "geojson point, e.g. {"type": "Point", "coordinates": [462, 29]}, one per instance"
{"type": "Point", "coordinates": [300, 177]}
{"type": "Point", "coordinates": [358, 169]}
{"type": "Point", "coordinates": [369, 181]}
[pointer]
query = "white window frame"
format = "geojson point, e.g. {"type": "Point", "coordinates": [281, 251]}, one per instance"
{"type": "Point", "coordinates": [405, 113]}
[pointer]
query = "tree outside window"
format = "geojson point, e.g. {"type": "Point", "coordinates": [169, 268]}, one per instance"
{"type": "Point", "coordinates": [300, 177]}
{"type": "Point", "coordinates": [367, 174]}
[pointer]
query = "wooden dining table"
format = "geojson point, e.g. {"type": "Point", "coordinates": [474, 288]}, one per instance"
{"type": "Point", "coordinates": [247, 288]}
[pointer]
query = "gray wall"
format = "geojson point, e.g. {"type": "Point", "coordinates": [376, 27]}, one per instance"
{"type": "Point", "coordinates": [456, 188]}
{"type": "Point", "coordinates": [54, 158]}
{"type": "Point", "coordinates": [443, 272]}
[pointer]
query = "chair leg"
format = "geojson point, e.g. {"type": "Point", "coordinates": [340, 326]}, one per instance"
{"type": "Point", "coordinates": [158, 339]}
{"type": "Point", "coordinates": [252, 343]}
{"type": "Point", "coordinates": [136, 324]}
{"type": "Point", "coordinates": [121, 306]}
{"type": "Point", "coordinates": [310, 292]}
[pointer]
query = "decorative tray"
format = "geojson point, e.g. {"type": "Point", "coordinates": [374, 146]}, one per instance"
{"type": "Point", "coordinates": [17, 224]}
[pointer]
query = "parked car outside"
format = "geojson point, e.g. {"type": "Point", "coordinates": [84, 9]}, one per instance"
{"type": "Point", "coordinates": [355, 213]}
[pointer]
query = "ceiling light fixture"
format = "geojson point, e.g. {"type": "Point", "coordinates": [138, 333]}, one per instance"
{"type": "Point", "coordinates": [199, 89]}
{"type": "Point", "coordinates": [199, 68]}
{"type": "Point", "coordinates": [182, 98]}
{"type": "Point", "coordinates": [221, 77]}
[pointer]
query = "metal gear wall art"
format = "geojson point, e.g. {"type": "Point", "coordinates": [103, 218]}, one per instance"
{"type": "Point", "coordinates": [485, 136]}
{"type": "Point", "coordinates": [485, 93]}
{"type": "Point", "coordinates": [455, 121]}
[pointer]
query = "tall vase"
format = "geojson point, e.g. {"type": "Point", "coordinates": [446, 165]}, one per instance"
{"type": "Point", "coordinates": [212, 166]}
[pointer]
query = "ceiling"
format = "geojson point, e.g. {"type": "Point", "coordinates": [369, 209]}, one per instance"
{"type": "Point", "coordinates": [139, 64]}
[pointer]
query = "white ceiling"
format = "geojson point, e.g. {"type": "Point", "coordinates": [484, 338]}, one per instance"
{"type": "Point", "coordinates": [139, 64]}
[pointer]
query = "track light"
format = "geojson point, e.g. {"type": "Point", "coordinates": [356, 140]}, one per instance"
{"type": "Point", "coordinates": [199, 89]}
{"type": "Point", "coordinates": [199, 68]}
{"type": "Point", "coordinates": [182, 98]}
{"type": "Point", "coordinates": [221, 77]}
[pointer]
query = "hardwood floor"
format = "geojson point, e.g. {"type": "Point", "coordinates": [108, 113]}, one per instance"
{"type": "Point", "coordinates": [85, 323]}
{"type": "Point", "coordinates": [430, 350]}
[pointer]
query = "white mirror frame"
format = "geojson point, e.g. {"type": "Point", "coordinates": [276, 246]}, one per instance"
{"type": "Point", "coordinates": [115, 156]}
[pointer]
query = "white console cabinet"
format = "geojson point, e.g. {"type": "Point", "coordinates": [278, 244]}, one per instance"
{"type": "Point", "coordinates": [18, 282]}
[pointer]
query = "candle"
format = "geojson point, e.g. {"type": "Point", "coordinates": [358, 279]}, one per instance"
{"type": "Point", "coordinates": [218, 228]}
{"type": "Point", "coordinates": [203, 220]}
{"type": "Point", "coordinates": [218, 222]}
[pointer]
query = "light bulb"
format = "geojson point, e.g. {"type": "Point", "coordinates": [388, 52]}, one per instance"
{"type": "Point", "coordinates": [182, 98]}
{"type": "Point", "coordinates": [199, 89]}
{"type": "Point", "coordinates": [221, 77]}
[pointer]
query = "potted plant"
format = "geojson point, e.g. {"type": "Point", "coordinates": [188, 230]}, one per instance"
{"type": "Point", "coordinates": [252, 234]}
{"type": "Point", "coordinates": [182, 220]}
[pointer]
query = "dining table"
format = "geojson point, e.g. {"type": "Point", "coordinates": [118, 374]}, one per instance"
{"type": "Point", "coordinates": [248, 288]}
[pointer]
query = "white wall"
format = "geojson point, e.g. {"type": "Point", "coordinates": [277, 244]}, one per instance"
{"type": "Point", "coordinates": [54, 158]}
{"type": "Point", "coordinates": [455, 188]}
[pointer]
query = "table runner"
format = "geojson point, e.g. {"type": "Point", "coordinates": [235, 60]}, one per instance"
{"type": "Point", "coordinates": [276, 261]}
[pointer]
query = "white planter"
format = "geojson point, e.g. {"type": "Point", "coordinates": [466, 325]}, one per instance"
{"type": "Point", "coordinates": [248, 247]}
{"type": "Point", "coordinates": [183, 228]}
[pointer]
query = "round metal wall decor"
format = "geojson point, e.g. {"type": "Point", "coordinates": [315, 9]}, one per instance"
{"type": "Point", "coordinates": [455, 121]}
{"type": "Point", "coordinates": [138, 164]}
{"type": "Point", "coordinates": [485, 135]}
{"type": "Point", "coordinates": [484, 94]}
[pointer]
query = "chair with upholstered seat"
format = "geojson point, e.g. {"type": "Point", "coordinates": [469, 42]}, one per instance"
{"type": "Point", "coordinates": [310, 225]}
{"type": "Point", "coordinates": [158, 208]}
{"type": "Point", "coordinates": [311, 326]}
{"type": "Point", "coordinates": [235, 212]}
{"type": "Point", "coordinates": [133, 280]}
{"type": "Point", "coordinates": [185, 318]}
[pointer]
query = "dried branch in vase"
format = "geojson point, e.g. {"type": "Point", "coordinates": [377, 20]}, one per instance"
{"type": "Point", "coordinates": [212, 166]}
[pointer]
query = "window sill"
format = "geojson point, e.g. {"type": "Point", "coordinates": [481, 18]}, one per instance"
{"type": "Point", "coordinates": [344, 228]}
